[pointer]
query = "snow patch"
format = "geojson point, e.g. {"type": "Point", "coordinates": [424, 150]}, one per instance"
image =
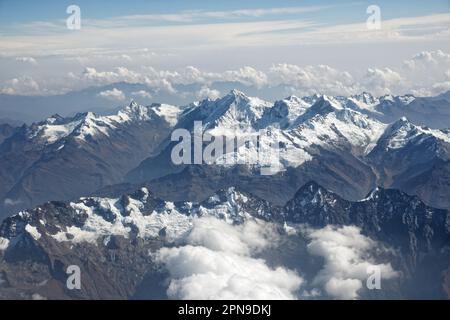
{"type": "Point", "coordinates": [168, 112]}
{"type": "Point", "coordinates": [4, 243]}
{"type": "Point", "coordinates": [33, 231]}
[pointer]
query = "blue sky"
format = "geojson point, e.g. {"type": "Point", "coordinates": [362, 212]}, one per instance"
{"type": "Point", "coordinates": [23, 11]}
{"type": "Point", "coordinates": [133, 40]}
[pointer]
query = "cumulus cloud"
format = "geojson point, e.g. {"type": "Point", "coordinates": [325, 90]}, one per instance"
{"type": "Point", "coordinates": [114, 95]}
{"type": "Point", "coordinates": [29, 60]}
{"type": "Point", "coordinates": [348, 257]}
{"type": "Point", "coordinates": [142, 94]}
{"type": "Point", "coordinates": [248, 76]}
{"type": "Point", "coordinates": [314, 79]}
{"type": "Point", "coordinates": [426, 59]}
{"type": "Point", "coordinates": [424, 74]}
{"type": "Point", "coordinates": [24, 85]}
{"type": "Point", "coordinates": [382, 81]}
{"type": "Point", "coordinates": [159, 84]}
{"type": "Point", "coordinates": [217, 262]}
{"type": "Point", "coordinates": [191, 74]}
{"type": "Point", "coordinates": [427, 72]}
{"type": "Point", "coordinates": [440, 87]}
{"type": "Point", "coordinates": [206, 92]}
{"type": "Point", "coordinates": [106, 77]}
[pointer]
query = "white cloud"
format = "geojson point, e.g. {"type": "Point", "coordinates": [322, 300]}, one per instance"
{"type": "Point", "coordinates": [92, 74]}
{"type": "Point", "coordinates": [160, 84]}
{"type": "Point", "coordinates": [440, 87]}
{"type": "Point", "coordinates": [11, 202]}
{"type": "Point", "coordinates": [218, 260]}
{"type": "Point", "coordinates": [202, 16]}
{"type": "Point", "coordinates": [206, 92]}
{"type": "Point", "coordinates": [263, 12]}
{"type": "Point", "coordinates": [382, 81]}
{"type": "Point", "coordinates": [424, 74]}
{"type": "Point", "coordinates": [426, 59]}
{"type": "Point", "coordinates": [145, 30]}
{"type": "Point", "coordinates": [347, 258]}
{"type": "Point", "coordinates": [314, 79]}
{"type": "Point", "coordinates": [106, 77]}
{"type": "Point", "coordinates": [114, 95]}
{"type": "Point", "coordinates": [29, 60]}
{"type": "Point", "coordinates": [427, 72]}
{"type": "Point", "coordinates": [248, 76]}
{"type": "Point", "coordinates": [402, 29]}
{"type": "Point", "coordinates": [217, 263]}
{"type": "Point", "coordinates": [126, 57]}
{"type": "Point", "coordinates": [142, 94]}
{"type": "Point", "coordinates": [23, 85]}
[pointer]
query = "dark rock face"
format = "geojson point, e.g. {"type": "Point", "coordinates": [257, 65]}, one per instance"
{"type": "Point", "coordinates": [6, 131]}
{"type": "Point", "coordinates": [389, 215]}
{"type": "Point", "coordinates": [347, 176]}
{"type": "Point", "coordinates": [113, 266]}
{"type": "Point", "coordinates": [420, 234]}
{"type": "Point", "coordinates": [33, 171]}
{"type": "Point", "coordinates": [408, 158]}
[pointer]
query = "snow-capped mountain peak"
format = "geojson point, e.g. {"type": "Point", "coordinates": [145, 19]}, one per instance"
{"type": "Point", "coordinates": [402, 132]}
{"type": "Point", "coordinates": [132, 112]}
{"type": "Point", "coordinates": [54, 119]}
{"type": "Point", "coordinates": [284, 112]}
{"type": "Point", "coordinates": [233, 111]}
{"type": "Point", "coordinates": [365, 98]}
{"type": "Point", "coordinates": [329, 127]}
{"type": "Point", "coordinates": [390, 99]}
{"type": "Point", "coordinates": [53, 129]}
{"type": "Point", "coordinates": [90, 124]}
{"type": "Point", "coordinates": [321, 107]}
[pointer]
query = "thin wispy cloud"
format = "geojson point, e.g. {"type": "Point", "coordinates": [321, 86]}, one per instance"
{"type": "Point", "coordinates": [203, 15]}
{"type": "Point", "coordinates": [235, 34]}
{"type": "Point", "coordinates": [182, 17]}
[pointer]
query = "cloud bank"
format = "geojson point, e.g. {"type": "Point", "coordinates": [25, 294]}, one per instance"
{"type": "Point", "coordinates": [113, 95]}
{"type": "Point", "coordinates": [217, 263]}
{"type": "Point", "coordinates": [218, 260]}
{"type": "Point", "coordinates": [424, 74]}
{"type": "Point", "coordinates": [348, 259]}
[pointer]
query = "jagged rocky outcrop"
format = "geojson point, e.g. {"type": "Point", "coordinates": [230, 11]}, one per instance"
{"type": "Point", "coordinates": [112, 238]}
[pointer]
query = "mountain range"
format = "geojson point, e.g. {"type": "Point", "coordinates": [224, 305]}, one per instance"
{"type": "Point", "coordinates": [115, 240]}
{"type": "Point", "coordinates": [360, 182]}
{"type": "Point", "coordinates": [61, 158]}
{"type": "Point", "coordinates": [322, 138]}
{"type": "Point", "coordinates": [345, 144]}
